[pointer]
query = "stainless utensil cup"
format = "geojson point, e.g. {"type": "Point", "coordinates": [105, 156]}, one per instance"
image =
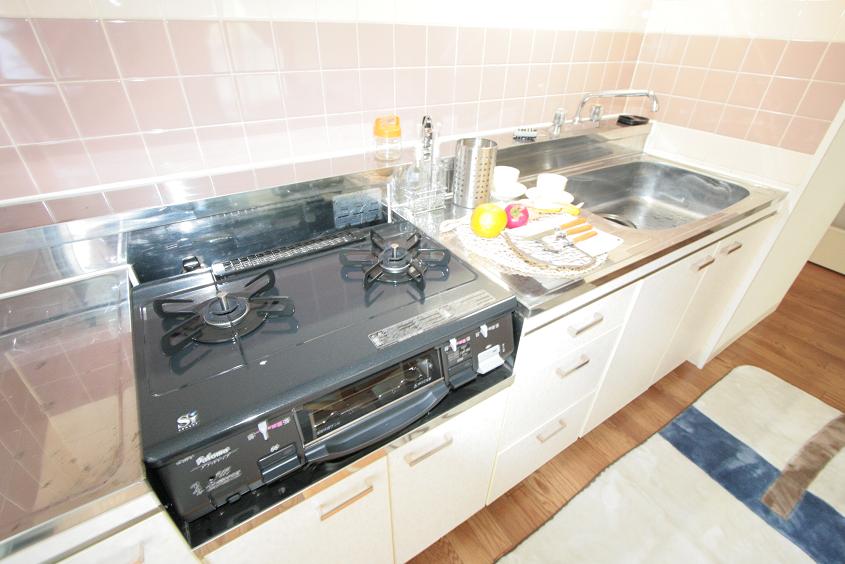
{"type": "Point", "coordinates": [472, 179]}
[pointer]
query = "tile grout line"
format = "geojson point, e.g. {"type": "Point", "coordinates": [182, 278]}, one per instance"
{"type": "Point", "coordinates": [238, 101]}
{"type": "Point", "coordinates": [123, 88]}
{"type": "Point", "coordinates": [803, 95]}
{"type": "Point", "coordinates": [61, 94]}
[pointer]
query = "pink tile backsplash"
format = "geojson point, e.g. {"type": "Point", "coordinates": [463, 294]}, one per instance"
{"type": "Point", "coordinates": [212, 99]}
{"type": "Point", "coordinates": [303, 92]}
{"type": "Point", "coordinates": [23, 61]}
{"type": "Point", "coordinates": [224, 145]}
{"type": "Point", "coordinates": [34, 113]}
{"type": "Point", "coordinates": [268, 140]}
{"type": "Point", "coordinates": [133, 198]}
{"type": "Point", "coordinates": [199, 47]}
{"type": "Point", "coordinates": [99, 108]}
{"type": "Point", "coordinates": [442, 46]}
{"type": "Point", "coordinates": [119, 158]}
{"type": "Point", "coordinates": [343, 91]}
{"type": "Point", "coordinates": [800, 59]}
{"type": "Point", "coordinates": [154, 59]}
{"type": "Point", "coordinates": [59, 166]}
{"type": "Point", "coordinates": [212, 94]}
{"type": "Point", "coordinates": [251, 46]}
{"type": "Point", "coordinates": [174, 151]}
{"type": "Point", "coordinates": [338, 45]}
{"type": "Point", "coordinates": [159, 103]}
{"type": "Point", "coordinates": [296, 44]}
{"type": "Point", "coordinates": [78, 207]}
{"type": "Point", "coordinates": [260, 96]}
{"type": "Point", "coordinates": [14, 178]}
{"type": "Point", "coordinates": [763, 55]}
{"type": "Point", "coordinates": [77, 49]}
{"type": "Point", "coordinates": [177, 191]}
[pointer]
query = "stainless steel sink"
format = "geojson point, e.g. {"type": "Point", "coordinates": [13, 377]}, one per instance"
{"type": "Point", "coordinates": [649, 195]}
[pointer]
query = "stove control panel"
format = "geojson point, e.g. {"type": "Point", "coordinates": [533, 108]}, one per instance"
{"type": "Point", "coordinates": [224, 471]}
{"type": "Point", "coordinates": [478, 351]}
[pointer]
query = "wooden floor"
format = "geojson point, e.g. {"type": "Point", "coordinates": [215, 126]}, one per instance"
{"type": "Point", "coordinates": [803, 342]}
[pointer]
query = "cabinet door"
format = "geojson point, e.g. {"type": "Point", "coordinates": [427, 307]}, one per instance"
{"type": "Point", "coordinates": [348, 522]}
{"type": "Point", "coordinates": [736, 258]}
{"type": "Point", "coordinates": [660, 305]}
{"type": "Point", "coordinates": [154, 539]}
{"type": "Point", "coordinates": [440, 479]}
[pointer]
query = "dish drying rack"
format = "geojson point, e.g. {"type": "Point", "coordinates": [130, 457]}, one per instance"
{"type": "Point", "coordinates": [421, 186]}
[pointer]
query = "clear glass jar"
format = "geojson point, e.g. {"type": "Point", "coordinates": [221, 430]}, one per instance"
{"type": "Point", "coordinates": [387, 135]}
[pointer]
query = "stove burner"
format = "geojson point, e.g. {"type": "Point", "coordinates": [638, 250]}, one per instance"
{"type": "Point", "coordinates": [396, 262]}
{"type": "Point", "coordinates": [226, 310]}
{"type": "Point", "coordinates": [222, 318]}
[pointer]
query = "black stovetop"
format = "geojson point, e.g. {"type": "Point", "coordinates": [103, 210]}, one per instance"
{"type": "Point", "coordinates": [316, 340]}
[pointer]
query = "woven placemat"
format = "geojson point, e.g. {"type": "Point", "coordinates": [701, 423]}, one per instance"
{"type": "Point", "coordinates": [500, 252]}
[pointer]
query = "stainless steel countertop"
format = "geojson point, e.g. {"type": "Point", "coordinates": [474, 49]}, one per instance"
{"type": "Point", "coordinates": [641, 247]}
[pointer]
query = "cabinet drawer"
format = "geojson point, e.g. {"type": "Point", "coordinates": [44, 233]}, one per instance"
{"type": "Point", "coordinates": [537, 447]}
{"type": "Point", "coordinates": [556, 384]}
{"type": "Point", "coordinates": [579, 327]}
{"type": "Point", "coordinates": [347, 522]}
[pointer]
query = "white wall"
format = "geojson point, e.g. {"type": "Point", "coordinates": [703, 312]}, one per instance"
{"type": "Point", "coordinates": [619, 15]}
{"type": "Point", "coordinates": [819, 20]}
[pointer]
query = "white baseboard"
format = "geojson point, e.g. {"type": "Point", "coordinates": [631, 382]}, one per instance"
{"type": "Point", "coordinates": [830, 253]}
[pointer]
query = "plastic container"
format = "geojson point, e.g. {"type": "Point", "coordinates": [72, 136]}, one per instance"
{"type": "Point", "coordinates": [387, 134]}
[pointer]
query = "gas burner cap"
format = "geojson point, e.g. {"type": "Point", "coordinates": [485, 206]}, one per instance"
{"type": "Point", "coordinates": [226, 310]}
{"type": "Point", "coordinates": [395, 259]}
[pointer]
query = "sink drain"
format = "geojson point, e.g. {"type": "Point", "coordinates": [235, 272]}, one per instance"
{"type": "Point", "coordinates": [621, 220]}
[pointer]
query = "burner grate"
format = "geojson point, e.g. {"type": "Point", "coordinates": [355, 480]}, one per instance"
{"type": "Point", "coordinates": [223, 318]}
{"type": "Point", "coordinates": [396, 261]}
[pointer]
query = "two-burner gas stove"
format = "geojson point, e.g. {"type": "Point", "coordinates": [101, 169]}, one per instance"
{"type": "Point", "coordinates": [260, 374]}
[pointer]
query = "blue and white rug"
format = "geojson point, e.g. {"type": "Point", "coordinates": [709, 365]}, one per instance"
{"type": "Point", "coordinates": [754, 471]}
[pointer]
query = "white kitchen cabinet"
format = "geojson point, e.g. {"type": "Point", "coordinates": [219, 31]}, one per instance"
{"type": "Point", "coordinates": [734, 257]}
{"type": "Point", "coordinates": [658, 310]}
{"type": "Point", "coordinates": [549, 383]}
{"type": "Point", "coordinates": [347, 522]}
{"type": "Point", "coordinates": [537, 447]}
{"type": "Point", "coordinates": [155, 539]}
{"type": "Point", "coordinates": [713, 305]}
{"type": "Point", "coordinates": [439, 479]}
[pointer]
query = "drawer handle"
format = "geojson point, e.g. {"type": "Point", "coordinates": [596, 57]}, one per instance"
{"type": "Point", "coordinates": [735, 246]}
{"type": "Point", "coordinates": [344, 504]}
{"type": "Point", "coordinates": [561, 427]}
{"type": "Point", "coordinates": [414, 460]}
{"type": "Point", "coordinates": [704, 264]}
{"type": "Point", "coordinates": [582, 362]}
{"type": "Point", "coordinates": [597, 318]}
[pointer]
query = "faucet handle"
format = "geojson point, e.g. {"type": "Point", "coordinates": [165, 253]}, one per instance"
{"type": "Point", "coordinates": [596, 113]}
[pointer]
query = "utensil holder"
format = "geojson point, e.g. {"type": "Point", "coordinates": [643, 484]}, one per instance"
{"type": "Point", "coordinates": [472, 178]}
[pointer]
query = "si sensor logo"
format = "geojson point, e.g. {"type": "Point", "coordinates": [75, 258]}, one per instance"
{"type": "Point", "coordinates": [187, 421]}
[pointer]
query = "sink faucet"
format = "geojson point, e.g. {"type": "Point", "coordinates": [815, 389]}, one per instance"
{"type": "Point", "coordinates": [655, 105]}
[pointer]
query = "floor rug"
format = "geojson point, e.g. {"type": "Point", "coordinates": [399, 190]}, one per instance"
{"type": "Point", "coordinates": [754, 471]}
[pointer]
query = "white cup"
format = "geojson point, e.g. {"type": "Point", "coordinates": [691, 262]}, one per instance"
{"type": "Point", "coordinates": [505, 176]}
{"type": "Point", "coordinates": [550, 185]}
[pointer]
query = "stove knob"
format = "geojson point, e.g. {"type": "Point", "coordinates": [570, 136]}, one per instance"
{"type": "Point", "coordinates": [453, 344]}
{"type": "Point", "coordinates": [483, 330]}
{"type": "Point", "coordinates": [262, 428]}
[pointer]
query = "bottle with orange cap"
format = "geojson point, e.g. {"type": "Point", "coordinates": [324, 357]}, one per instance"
{"type": "Point", "coordinates": [387, 134]}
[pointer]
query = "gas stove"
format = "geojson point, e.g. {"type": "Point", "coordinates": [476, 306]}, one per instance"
{"type": "Point", "coordinates": [265, 372]}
